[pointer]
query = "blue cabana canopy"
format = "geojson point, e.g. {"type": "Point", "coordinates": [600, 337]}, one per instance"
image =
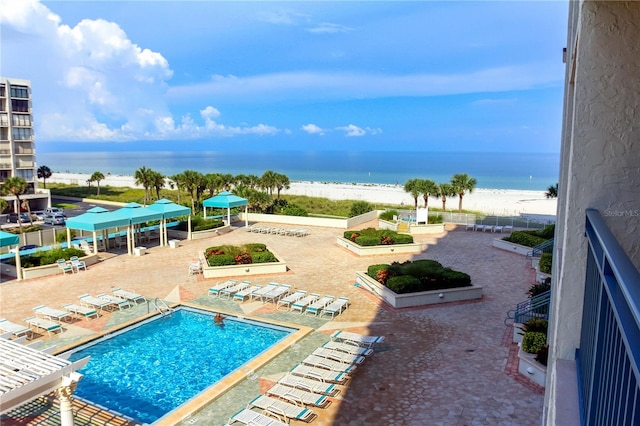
{"type": "Point", "coordinates": [136, 213]}
{"type": "Point", "coordinates": [96, 219]}
{"type": "Point", "coordinates": [225, 200]}
{"type": "Point", "coordinates": [168, 209]}
{"type": "Point", "coordinates": [7, 239]}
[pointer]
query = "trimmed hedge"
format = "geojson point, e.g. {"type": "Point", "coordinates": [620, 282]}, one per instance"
{"type": "Point", "coordinates": [533, 341]}
{"type": "Point", "coordinates": [426, 275]}
{"type": "Point", "coordinates": [199, 224]}
{"type": "Point", "coordinates": [236, 255]}
{"type": "Point", "coordinates": [222, 260]}
{"type": "Point", "coordinates": [263, 257]}
{"type": "Point", "coordinates": [48, 257]}
{"type": "Point", "coordinates": [404, 284]}
{"type": "Point", "coordinates": [374, 237]}
{"type": "Point", "coordinates": [545, 263]}
{"type": "Point", "coordinates": [367, 241]}
{"type": "Point", "coordinates": [524, 238]}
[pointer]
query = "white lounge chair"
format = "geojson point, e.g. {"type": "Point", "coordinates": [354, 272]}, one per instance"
{"type": "Point", "coordinates": [129, 295]}
{"type": "Point", "coordinates": [336, 307]}
{"type": "Point", "coordinates": [359, 339]}
{"type": "Point", "coordinates": [301, 304]}
{"type": "Point", "coordinates": [246, 293]}
{"type": "Point", "coordinates": [316, 306]}
{"type": "Point", "coordinates": [195, 267]}
{"type": "Point", "coordinates": [216, 289]}
{"type": "Point", "coordinates": [77, 264]}
{"type": "Point", "coordinates": [45, 325]}
{"type": "Point", "coordinates": [80, 310]}
{"type": "Point", "coordinates": [343, 357]}
{"type": "Point", "coordinates": [479, 227]}
{"type": "Point", "coordinates": [310, 385]}
{"type": "Point", "coordinates": [291, 298]}
{"type": "Point", "coordinates": [51, 313]}
{"type": "Point", "coordinates": [276, 293]}
{"type": "Point", "coordinates": [349, 348]}
{"type": "Point", "coordinates": [64, 266]}
{"type": "Point", "coordinates": [16, 330]}
{"type": "Point", "coordinates": [498, 228]}
{"type": "Point", "coordinates": [470, 226]}
{"type": "Point", "coordinates": [321, 374]}
{"type": "Point", "coordinates": [229, 291]}
{"type": "Point", "coordinates": [281, 408]}
{"type": "Point", "coordinates": [298, 396]}
{"type": "Point", "coordinates": [253, 418]}
{"type": "Point", "coordinates": [329, 364]}
{"type": "Point", "coordinates": [95, 302]}
{"type": "Point", "coordinates": [264, 290]}
{"type": "Point", "coordinates": [119, 241]}
{"type": "Point", "coordinates": [118, 302]}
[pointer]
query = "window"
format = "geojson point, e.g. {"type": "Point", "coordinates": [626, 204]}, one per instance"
{"type": "Point", "coordinates": [4, 120]}
{"type": "Point", "coordinates": [18, 105]}
{"type": "Point", "coordinates": [21, 120]}
{"type": "Point", "coordinates": [25, 174]}
{"type": "Point", "coordinates": [21, 133]}
{"type": "Point", "coordinates": [3, 90]}
{"type": "Point", "coordinates": [19, 92]}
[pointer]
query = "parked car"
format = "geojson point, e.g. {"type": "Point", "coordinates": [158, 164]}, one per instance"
{"type": "Point", "coordinates": [54, 210]}
{"type": "Point", "coordinates": [54, 219]}
{"type": "Point", "coordinates": [13, 218]}
{"type": "Point", "coordinates": [38, 215]}
{"type": "Point", "coordinates": [22, 248]}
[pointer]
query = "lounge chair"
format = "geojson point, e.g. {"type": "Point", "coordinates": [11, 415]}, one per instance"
{"type": "Point", "coordinates": [329, 364]}
{"type": "Point", "coordinates": [316, 306]}
{"type": "Point", "coordinates": [77, 264]}
{"type": "Point", "coordinates": [321, 374]}
{"type": "Point", "coordinates": [51, 313]}
{"type": "Point", "coordinates": [310, 385]}
{"type": "Point", "coordinates": [301, 304]}
{"type": "Point", "coordinates": [45, 325]}
{"type": "Point", "coordinates": [84, 245]}
{"type": "Point", "coordinates": [291, 298]}
{"type": "Point", "coordinates": [336, 307]}
{"type": "Point", "coordinates": [347, 347]}
{"type": "Point", "coordinates": [64, 266]}
{"type": "Point", "coordinates": [253, 418]}
{"type": "Point", "coordinates": [16, 330]}
{"type": "Point", "coordinates": [470, 226]}
{"type": "Point", "coordinates": [119, 241]}
{"type": "Point", "coordinates": [508, 228]}
{"type": "Point", "coordinates": [302, 232]}
{"type": "Point", "coordinates": [195, 267]}
{"type": "Point", "coordinates": [359, 339]}
{"type": "Point", "coordinates": [229, 291]}
{"type": "Point", "coordinates": [118, 302]}
{"type": "Point", "coordinates": [498, 228]}
{"type": "Point", "coordinates": [480, 228]}
{"type": "Point", "coordinates": [216, 289]}
{"type": "Point", "coordinates": [246, 293]}
{"type": "Point", "coordinates": [298, 396]}
{"type": "Point", "coordinates": [264, 290]}
{"type": "Point", "coordinates": [95, 302]}
{"type": "Point", "coordinates": [281, 408]}
{"type": "Point", "coordinates": [277, 293]}
{"type": "Point", "coordinates": [129, 295]}
{"type": "Point", "coordinates": [342, 357]}
{"type": "Point", "coordinates": [80, 310]}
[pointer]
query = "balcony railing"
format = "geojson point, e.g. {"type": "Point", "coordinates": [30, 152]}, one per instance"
{"type": "Point", "coordinates": [609, 354]}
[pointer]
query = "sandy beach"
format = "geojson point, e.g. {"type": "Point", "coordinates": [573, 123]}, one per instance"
{"type": "Point", "coordinates": [502, 202]}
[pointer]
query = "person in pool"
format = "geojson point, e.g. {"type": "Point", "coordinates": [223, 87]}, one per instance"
{"type": "Point", "coordinates": [219, 319]}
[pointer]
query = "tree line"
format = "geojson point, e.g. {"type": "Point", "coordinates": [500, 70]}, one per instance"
{"type": "Point", "coordinates": [459, 185]}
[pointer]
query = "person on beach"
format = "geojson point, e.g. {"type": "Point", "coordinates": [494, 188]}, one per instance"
{"type": "Point", "coordinates": [218, 319]}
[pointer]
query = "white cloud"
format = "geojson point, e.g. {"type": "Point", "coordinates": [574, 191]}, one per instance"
{"type": "Point", "coordinates": [354, 131]}
{"type": "Point", "coordinates": [210, 113]}
{"type": "Point", "coordinates": [329, 28]}
{"type": "Point", "coordinates": [312, 129]}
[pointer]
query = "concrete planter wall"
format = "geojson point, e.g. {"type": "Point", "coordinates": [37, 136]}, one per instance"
{"type": "Point", "coordinates": [417, 299]}
{"type": "Point", "coordinates": [531, 369]}
{"type": "Point", "coordinates": [433, 228]}
{"type": "Point", "coordinates": [198, 235]}
{"type": "Point", "coordinates": [514, 248]}
{"type": "Point", "coordinates": [279, 267]}
{"type": "Point", "coordinates": [382, 249]}
{"type": "Point", "coordinates": [45, 270]}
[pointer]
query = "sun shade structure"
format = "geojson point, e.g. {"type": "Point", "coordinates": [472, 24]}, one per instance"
{"type": "Point", "coordinates": [94, 220]}
{"type": "Point", "coordinates": [28, 374]}
{"type": "Point", "coordinates": [169, 210]}
{"type": "Point", "coordinates": [135, 214]}
{"type": "Point", "coordinates": [7, 240]}
{"type": "Point", "coordinates": [226, 200]}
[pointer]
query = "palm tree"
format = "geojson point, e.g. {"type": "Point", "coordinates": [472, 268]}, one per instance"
{"type": "Point", "coordinates": [97, 177]}
{"type": "Point", "coordinates": [552, 191]}
{"type": "Point", "coordinates": [143, 177]}
{"type": "Point", "coordinates": [462, 183]}
{"type": "Point", "coordinates": [44, 173]}
{"type": "Point", "coordinates": [412, 186]}
{"type": "Point", "coordinates": [444, 190]}
{"type": "Point", "coordinates": [227, 180]}
{"type": "Point", "coordinates": [268, 181]}
{"type": "Point", "coordinates": [192, 180]}
{"type": "Point", "coordinates": [15, 186]}
{"type": "Point", "coordinates": [3, 205]}
{"type": "Point", "coordinates": [157, 182]}
{"type": "Point", "coordinates": [426, 187]}
{"type": "Point", "coordinates": [177, 179]}
{"type": "Point", "coordinates": [282, 182]}
{"type": "Point", "coordinates": [213, 183]}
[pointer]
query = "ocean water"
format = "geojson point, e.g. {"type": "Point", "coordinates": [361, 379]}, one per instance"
{"type": "Point", "coordinates": [529, 171]}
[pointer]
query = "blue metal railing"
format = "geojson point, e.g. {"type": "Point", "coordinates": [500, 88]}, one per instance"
{"type": "Point", "coordinates": [546, 247]}
{"type": "Point", "coordinates": [534, 307]}
{"type": "Point", "coordinates": [608, 358]}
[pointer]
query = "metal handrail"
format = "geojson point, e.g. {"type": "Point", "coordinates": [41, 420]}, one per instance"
{"type": "Point", "coordinates": [159, 304]}
{"type": "Point", "coordinates": [534, 307]}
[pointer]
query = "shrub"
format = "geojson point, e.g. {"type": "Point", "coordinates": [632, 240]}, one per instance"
{"type": "Point", "coordinates": [239, 255]}
{"type": "Point", "coordinates": [539, 288]}
{"type": "Point", "coordinates": [388, 214]}
{"type": "Point", "coordinates": [381, 236]}
{"type": "Point", "coordinates": [62, 236]}
{"type": "Point", "coordinates": [524, 238]}
{"type": "Point", "coordinates": [533, 341]}
{"type": "Point", "coordinates": [536, 324]}
{"type": "Point", "coordinates": [263, 257]}
{"type": "Point", "coordinates": [403, 239]}
{"type": "Point", "coordinates": [293, 210]}
{"type": "Point", "coordinates": [243, 259]}
{"type": "Point", "coordinates": [404, 284]}
{"type": "Point", "coordinates": [360, 207]}
{"type": "Point", "coordinates": [255, 247]}
{"type": "Point", "coordinates": [542, 356]}
{"type": "Point", "coordinates": [221, 260]}
{"type": "Point", "coordinates": [49, 257]}
{"type": "Point", "coordinates": [372, 270]}
{"type": "Point", "coordinates": [547, 232]}
{"type": "Point", "coordinates": [367, 241]}
{"type": "Point", "coordinates": [386, 240]}
{"type": "Point", "coordinates": [453, 279]}
{"type": "Point", "coordinates": [545, 263]}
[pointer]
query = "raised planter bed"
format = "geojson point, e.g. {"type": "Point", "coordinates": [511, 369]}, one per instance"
{"type": "Point", "coordinates": [514, 248]}
{"type": "Point", "coordinates": [420, 298]}
{"type": "Point", "coordinates": [44, 270]}
{"type": "Point", "coordinates": [414, 229]}
{"type": "Point", "coordinates": [382, 249]}
{"type": "Point", "coordinates": [247, 269]}
{"type": "Point", "coordinates": [531, 369]}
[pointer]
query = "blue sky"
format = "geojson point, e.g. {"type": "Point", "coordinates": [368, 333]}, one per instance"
{"type": "Point", "coordinates": [419, 75]}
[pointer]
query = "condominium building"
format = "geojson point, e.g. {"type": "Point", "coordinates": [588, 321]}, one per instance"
{"type": "Point", "coordinates": [17, 145]}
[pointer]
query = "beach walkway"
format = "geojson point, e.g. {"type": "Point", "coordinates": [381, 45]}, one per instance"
{"type": "Point", "coordinates": [446, 365]}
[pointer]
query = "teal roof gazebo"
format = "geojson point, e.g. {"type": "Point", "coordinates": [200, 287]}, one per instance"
{"type": "Point", "coordinates": [168, 209]}
{"type": "Point", "coordinates": [6, 240]}
{"type": "Point", "coordinates": [226, 200]}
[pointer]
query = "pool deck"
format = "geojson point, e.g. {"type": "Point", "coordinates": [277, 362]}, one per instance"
{"type": "Point", "coordinates": [451, 364]}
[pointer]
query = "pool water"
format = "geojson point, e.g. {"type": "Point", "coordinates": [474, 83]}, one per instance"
{"type": "Point", "coordinates": [148, 371]}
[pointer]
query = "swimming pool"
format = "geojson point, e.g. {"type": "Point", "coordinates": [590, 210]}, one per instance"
{"type": "Point", "coordinates": [148, 370]}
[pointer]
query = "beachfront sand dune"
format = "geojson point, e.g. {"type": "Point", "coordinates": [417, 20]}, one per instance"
{"type": "Point", "coordinates": [504, 202]}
